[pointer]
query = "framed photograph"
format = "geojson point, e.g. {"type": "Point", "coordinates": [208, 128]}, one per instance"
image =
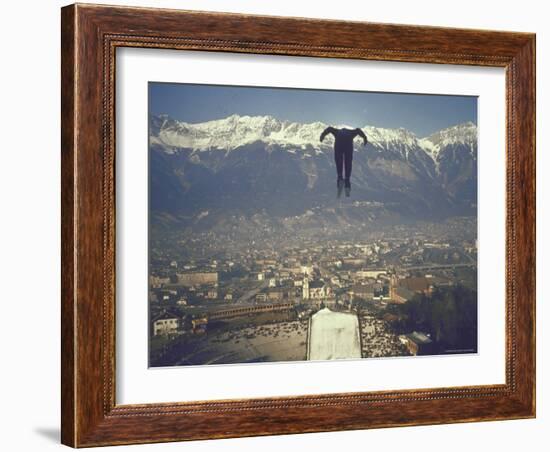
{"type": "Point", "coordinates": [281, 225]}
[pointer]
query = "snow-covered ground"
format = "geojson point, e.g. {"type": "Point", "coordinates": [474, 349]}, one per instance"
{"type": "Point", "coordinates": [333, 335]}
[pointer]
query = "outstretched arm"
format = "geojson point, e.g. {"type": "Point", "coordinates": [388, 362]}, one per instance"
{"type": "Point", "coordinates": [326, 132]}
{"type": "Point", "coordinates": [360, 133]}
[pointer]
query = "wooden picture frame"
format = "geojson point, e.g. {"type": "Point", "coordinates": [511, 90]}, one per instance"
{"type": "Point", "coordinates": [90, 36]}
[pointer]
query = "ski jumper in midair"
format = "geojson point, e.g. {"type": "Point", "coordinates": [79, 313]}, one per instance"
{"type": "Point", "coordinates": [343, 152]}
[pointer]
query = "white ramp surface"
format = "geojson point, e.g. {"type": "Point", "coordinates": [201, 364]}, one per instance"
{"type": "Point", "coordinates": [333, 335]}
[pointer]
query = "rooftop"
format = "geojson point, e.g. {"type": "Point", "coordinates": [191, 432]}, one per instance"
{"type": "Point", "coordinates": [419, 338]}
{"type": "Point", "coordinates": [317, 284]}
{"type": "Point", "coordinates": [165, 316]}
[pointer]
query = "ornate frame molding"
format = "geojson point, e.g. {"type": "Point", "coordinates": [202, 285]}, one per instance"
{"type": "Point", "coordinates": [90, 37]}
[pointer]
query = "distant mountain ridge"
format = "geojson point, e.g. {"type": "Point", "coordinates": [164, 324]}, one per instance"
{"type": "Point", "coordinates": [251, 164]}
{"type": "Point", "coordinates": [462, 134]}
{"type": "Point", "coordinates": [236, 131]}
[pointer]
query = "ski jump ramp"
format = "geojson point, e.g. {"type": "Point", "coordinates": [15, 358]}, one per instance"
{"type": "Point", "coordinates": [333, 335]}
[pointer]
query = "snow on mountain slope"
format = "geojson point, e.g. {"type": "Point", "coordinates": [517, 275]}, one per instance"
{"type": "Point", "coordinates": [462, 134]}
{"type": "Point", "coordinates": [236, 131]}
{"type": "Point", "coordinates": [233, 132]}
{"type": "Point", "coordinates": [433, 154]}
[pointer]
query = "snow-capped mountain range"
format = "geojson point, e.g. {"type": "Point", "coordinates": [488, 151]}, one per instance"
{"type": "Point", "coordinates": [462, 134]}
{"type": "Point", "coordinates": [260, 163]}
{"type": "Point", "coordinates": [236, 131]}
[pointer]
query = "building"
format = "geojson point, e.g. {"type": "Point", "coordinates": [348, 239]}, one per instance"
{"type": "Point", "coordinates": [353, 262]}
{"type": "Point", "coordinates": [165, 324]}
{"type": "Point", "coordinates": [266, 262]}
{"type": "Point", "coordinates": [440, 281]}
{"type": "Point", "coordinates": [197, 278]}
{"type": "Point", "coordinates": [365, 292]}
{"type": "Point", "coordinates": [420, 284]}
{"type": "Point", "coordinates": [261, 297]}
{"type": "Point", "coordinates": [212, 294]}
{"type": "Point", "coordinates": [400, 294]}
{"type": "Point", "coordinates": [284, 275]}
{"type": "Point", "coordinates": [183, 301]}
{"type": "Point", "coordinates": [156, 282]}
{"type": "Point", "coordinates": [166, 295]}
{"type": "Point", "coordinates": [275, 294]}
{"type": "Point", "coordinates": [418, 343]}
{"type": "Point", "coordinates": [370, 273]}
{"type": "Point", "coordinates": [199, 325]}
{"type": "Point", "coordinates": [239, 311]}
{"type": "Point", "coordinates": [305, 288]}
{"type": "Point", "coordinates": [318, 290]}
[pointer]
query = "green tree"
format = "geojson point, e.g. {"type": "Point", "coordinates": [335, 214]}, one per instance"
{"type": "Point", "coordinates": [449, 315]}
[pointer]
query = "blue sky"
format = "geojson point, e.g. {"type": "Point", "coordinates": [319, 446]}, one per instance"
{"type": "Point", "coordinates": [422, 114]}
